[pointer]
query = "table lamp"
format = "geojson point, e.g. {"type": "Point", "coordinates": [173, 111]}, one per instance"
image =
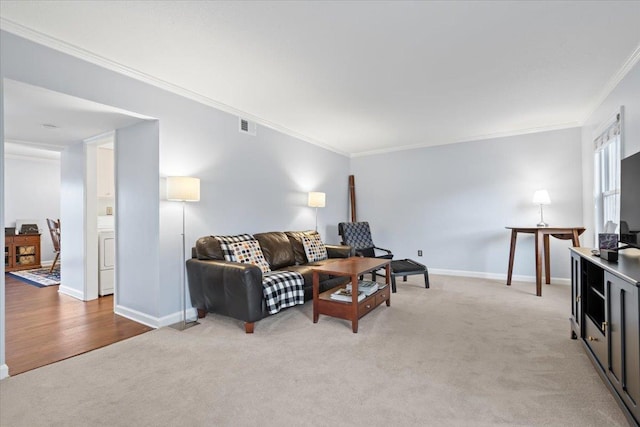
{"type": "Point", "coordinates": [541, 197]}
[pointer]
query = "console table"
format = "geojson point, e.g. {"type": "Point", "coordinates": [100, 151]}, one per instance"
{"type": "Point", "coordinates": [21, 252]}
{"type": "Point", "coordinates": [541, 240]}
{"type": "Point", "coordinates": [605, 316]}
{"type": "Point", "coordinates": [352, 267]}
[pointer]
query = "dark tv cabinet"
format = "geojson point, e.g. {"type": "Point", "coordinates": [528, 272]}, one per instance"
{"type": "Point", "coordinates": [605, 316]}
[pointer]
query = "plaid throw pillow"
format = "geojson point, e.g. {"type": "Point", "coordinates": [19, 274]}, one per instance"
{"type": "Point", "coordinates": [249, 252]}
{"type": "Point", "coordinates": [314, 248]}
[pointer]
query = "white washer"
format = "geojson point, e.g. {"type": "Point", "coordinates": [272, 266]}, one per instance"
{"type": "Point", "coordinates": [107, 261]}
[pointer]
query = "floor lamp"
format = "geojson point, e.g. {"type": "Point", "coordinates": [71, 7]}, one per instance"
{"type": "Point", "coordinates": [316, 200]}
{"type": "Point", "coordinates": [183, 189]}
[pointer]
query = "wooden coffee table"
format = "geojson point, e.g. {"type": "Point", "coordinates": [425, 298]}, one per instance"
{"type": "Point", "coordinates": [351, 267]}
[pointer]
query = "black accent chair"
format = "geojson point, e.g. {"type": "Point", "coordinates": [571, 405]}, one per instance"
{"type": "Point", "coordinates": [358, 236]}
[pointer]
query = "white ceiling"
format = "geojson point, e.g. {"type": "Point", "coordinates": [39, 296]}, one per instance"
{"type": "Point", "coordinates": [31, 111]}
{"type": "Point", "coordinates": [360, 76]}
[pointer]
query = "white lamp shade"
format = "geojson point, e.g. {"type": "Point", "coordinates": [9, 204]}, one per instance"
{"type": "Point", "coordinates": [183, 189]}
{"type": "Point", "coordinates": [541, 197]}
{"type": "Point", "coordinates": [316, 199]}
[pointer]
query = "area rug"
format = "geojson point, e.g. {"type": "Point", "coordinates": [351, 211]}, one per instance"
{"type": "Point", "coordinates": [39, 277]}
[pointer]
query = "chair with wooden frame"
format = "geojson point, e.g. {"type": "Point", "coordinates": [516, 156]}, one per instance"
{"type": "Point", "coordinates": [54, 229]}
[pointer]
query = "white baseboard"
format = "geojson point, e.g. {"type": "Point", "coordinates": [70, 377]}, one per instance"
{"type": "Point", "coordinates": [4, 371]}
{"type": "Point", "coordinates": [71, 292]}
{"type": "Point", "coordinates": [153, 322]}
{"type": "Point", "coordinates": [495, 276]}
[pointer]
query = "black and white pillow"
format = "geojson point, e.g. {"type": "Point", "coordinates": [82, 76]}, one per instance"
{"type": "Point", "coordinates": [314, 249]}
{"type": "Point", "coordinates": [249, 252]}
{"type": "Point", "coordinates": [227, 241]}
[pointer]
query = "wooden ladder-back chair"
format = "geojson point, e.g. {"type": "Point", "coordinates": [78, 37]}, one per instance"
{"type": "Point", "coordinates": [54, 229]}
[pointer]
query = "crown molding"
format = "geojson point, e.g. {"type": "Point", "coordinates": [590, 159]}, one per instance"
{"type": "Point", "coordinates": [631, 61]}
{"type": "Point", "coordinates": [75, 51]}
{"type": "Point", "coordinates": [504, 134]}
{"type": "Point", "coordinates": [78, 52]}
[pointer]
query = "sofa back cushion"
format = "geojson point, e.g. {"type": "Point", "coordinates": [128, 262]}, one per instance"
{"type": "Point", "coordinates": [208, 247]}
{"type": "Point", "coordinates": [276, 248]}
{"type": "Point", "coordinates": [295, 237]}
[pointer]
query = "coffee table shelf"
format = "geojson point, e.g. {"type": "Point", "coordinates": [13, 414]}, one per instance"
{"type": "Point", "coordinates": [352, 267]}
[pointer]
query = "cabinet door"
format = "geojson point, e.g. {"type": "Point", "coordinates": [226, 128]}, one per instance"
{"type": "Point", "coordinates": [576, 292]}
{"type": "Point", "coordinates": [623, 340]}
{"type": "Point", "coordinates": [8, 253]}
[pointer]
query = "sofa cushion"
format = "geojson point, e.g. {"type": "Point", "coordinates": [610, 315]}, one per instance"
{"type": "Point", "coordinates": [225, 241]}
{"type": "Point", "coordinates": [314, 248]}
{"type": "Point", "coordinates": [208, 248]}
{"type": "Point", "coordinates": [295, 237]}
{"type": "Point", "coordinates": [276, 248]}
{"type": "Point", "coordinates": [249, 252]}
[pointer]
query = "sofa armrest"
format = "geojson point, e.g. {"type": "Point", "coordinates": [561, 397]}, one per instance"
{"type": "Point", "coordinates": [339, 251]}
{"type": "Point", "coordinates": [229, 288]}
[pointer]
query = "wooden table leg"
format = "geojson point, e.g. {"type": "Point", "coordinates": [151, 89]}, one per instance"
{"type": "Point", "coordinates": [316, 292]}
{"type": "Point", "coordinates": [538, 250]}
{"type": "Point", "coordinates": [512, 252]}
{"type": "Point", "coordinates": [388, 267]}
{"type": "Point", "coordinates": [575, 238]}
{"type": "Point", "coordinates": [354, 304]}
{"type": "Point", "coordinates": [547, 268]}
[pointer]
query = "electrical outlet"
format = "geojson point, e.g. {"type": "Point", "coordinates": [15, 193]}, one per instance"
{"type": "Point", "coordinates": [419, 252]}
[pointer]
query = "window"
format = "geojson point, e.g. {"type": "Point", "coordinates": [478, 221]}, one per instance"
{"type": "Point", "coordinates": [607, 175]}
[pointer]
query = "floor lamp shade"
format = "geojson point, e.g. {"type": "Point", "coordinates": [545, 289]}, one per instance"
{"type": "Point", "coordinates": [183, 189]}
{"type": "Point", "coordinates": [316, 199]}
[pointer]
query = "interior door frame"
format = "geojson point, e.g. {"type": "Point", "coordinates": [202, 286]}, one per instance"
{"type": "Point", "coordinates": [91, 284]}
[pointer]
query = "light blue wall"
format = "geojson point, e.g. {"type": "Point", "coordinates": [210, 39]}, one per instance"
{"type": "Point", "coordinates": [137, 242]}
{"type": "Point", "coordinates": [249, 184]}
{"type": "Point", "coordinates": [626, 94]}
{"type": "Point", "coordinates": [72, 221]}
{"type": "Point", "coordinates": [4, 369]}
{"type": "Point", "coordinates": [454, 201]}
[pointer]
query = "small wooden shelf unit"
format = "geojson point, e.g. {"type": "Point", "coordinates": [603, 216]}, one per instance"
{"type": "Point", "coordinates": [21, 252]}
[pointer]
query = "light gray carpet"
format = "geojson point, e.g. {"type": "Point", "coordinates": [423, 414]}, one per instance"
{"type": "Point", "coordinates": [465, 352]}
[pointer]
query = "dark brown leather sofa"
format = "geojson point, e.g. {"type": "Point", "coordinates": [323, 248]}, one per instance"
{"type": "Point", "coordinates": [234, 289]}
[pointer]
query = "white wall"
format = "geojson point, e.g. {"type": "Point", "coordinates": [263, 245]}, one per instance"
{"type": "Point", "coordinates": [626, 94]}
{"type": "Point", "coordinates": [454, 201]}
{"type": "Point", "coordinates": [72, 221]}
{"type": "Point", "coordinates": [32, 191]}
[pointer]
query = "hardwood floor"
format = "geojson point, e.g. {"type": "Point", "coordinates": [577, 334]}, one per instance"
{"type": "Point", "coordinates": [43, 326]}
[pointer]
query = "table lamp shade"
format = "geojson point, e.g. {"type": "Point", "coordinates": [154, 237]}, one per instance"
{"type": "Point", "coordinates": [316, 199]}
{"type": "Point", "coordinates": [541, 197]}
{"type": "Point", "coordinates": [183, 188]}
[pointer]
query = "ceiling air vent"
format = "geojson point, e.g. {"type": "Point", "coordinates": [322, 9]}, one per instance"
{"type": "Point", "coordinates": [247, 127]}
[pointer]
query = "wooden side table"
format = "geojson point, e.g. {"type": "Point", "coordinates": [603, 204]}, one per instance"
{"type": "Point", "coordinates": [352, 267]}
{"type": "Point", "coordinates": [542, 241]}
{"type": "Point", "coordinates": [21, 252]}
